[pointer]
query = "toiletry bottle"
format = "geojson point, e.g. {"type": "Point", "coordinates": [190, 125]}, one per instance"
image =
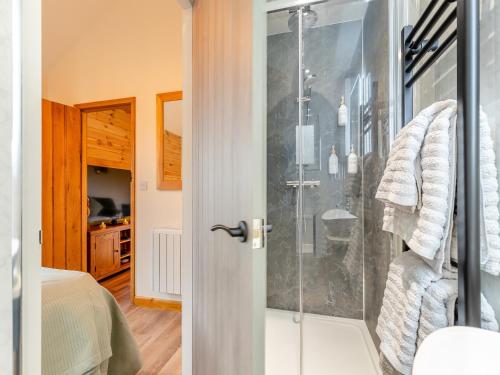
{"type": "Point", "coordinates": [342, 114]}
{"type": "Point", "coordinates": [333, 162]}
{"type": "Point", "coordinates": [352, 162]}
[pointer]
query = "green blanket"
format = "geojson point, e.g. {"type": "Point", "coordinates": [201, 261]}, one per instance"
{"type": "Point", "coordinates": [83, 329]}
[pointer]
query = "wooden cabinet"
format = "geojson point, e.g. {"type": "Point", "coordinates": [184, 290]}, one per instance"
{"type": "Point", "coordinates": [107, 253]}
{"type": "Point", "coordinates": [109, 250]}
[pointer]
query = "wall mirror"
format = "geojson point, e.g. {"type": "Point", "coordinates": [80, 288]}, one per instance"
{"type": "Point", "coordinates": [169, 140]}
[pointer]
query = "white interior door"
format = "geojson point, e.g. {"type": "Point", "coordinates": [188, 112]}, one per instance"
{"type": "Point", "coordinates": [228, 186]}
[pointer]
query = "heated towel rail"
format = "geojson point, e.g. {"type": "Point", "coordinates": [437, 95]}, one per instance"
{"type": "Point", "coordinates": [421, 46]}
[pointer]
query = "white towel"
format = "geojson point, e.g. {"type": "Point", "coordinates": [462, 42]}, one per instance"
{"type": "Point", "coordinates": [439, 305]}
{"type": "Point", "coordinates": [408, 279]}
{"type": "Point", "coordinates": [490, 228]}
{"type": "Point", "coordinates": [419, 185]}
{"type": "Point", "coordinates": [399, 185]}
{"type": "Point", "coordinates": [425, 227]}
{"type": "Point", "coordinates": [431, 238]}
{"type": "Point", "coordinates": [417, 301]}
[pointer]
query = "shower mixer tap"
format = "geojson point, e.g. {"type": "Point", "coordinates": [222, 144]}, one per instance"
{"type": "Point", "coordinates": [304, 99]}
{"type": "Point", "coordinates": [296, 184]}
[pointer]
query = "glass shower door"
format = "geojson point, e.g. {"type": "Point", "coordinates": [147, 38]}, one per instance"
{"type": "Point", "coordinates": [332, 211]}
{"type": "Point", "coordinates": [331, 168]}
{"type": "Point", "coordinates": [320, 131]}
{"type": "Point", "coordinates": [283, 328]}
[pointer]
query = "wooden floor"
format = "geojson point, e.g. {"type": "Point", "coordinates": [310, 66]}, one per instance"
{"type": "Point", "coordinates": [157, 332]}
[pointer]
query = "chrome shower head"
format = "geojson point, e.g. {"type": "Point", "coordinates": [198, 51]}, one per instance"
{"type": "Point", "coordinates": [309, 18]}
{"type": "Point", "coordinates": [309, 79]}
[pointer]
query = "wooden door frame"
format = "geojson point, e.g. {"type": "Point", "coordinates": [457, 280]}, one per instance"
{"type": "Point", "coordinates": [101, 106]}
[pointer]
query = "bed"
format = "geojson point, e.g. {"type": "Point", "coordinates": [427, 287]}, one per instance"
{"type": "Point", "coordinates": [83, 329]}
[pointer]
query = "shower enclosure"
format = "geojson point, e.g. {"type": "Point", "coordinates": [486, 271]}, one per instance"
{"type": "Point", "coordinates": [333, 89]}
{"type": "Point", "coordinates": [328, 138]}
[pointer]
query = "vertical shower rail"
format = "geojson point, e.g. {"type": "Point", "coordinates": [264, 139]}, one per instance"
{"type": "Point", "coordinates": [421, 47]}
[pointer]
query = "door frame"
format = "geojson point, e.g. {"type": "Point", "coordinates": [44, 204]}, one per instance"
{"type": "Point", "coordinates": [187, 187]}
{"type": "Point", "coordinates": [26, 40]}
{"type": "Point", "coordinates": [102, 106]}
{"type": "Point", "coordinates": [31, 44]}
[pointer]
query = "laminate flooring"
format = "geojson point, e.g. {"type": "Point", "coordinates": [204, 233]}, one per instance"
{"type": "Point", "coordinates": [157, 332]}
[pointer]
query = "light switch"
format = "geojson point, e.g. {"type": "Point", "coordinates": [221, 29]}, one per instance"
{"type": "Point", "coordinates": [143, 186]}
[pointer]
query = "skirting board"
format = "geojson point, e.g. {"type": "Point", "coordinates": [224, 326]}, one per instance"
{"type": "Point", "coordinates": [158, 304]}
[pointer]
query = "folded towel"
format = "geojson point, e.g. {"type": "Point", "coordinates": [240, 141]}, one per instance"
{"type": "Point", "coordinates": [408, 279]}
{"type": "Point", "coordinates": [439, 305]}
{"type": "Point", "coordinates": [399, 185]}
{"type": "Point", "coordinates": [426, 228]}
{"type": "Point", "coordinates": [419, 185]}
{"type": "Point", "coordinates": [386, 367]}
{"type": "Point", "coordinates": [417, 301]}
{"type": "Point", "coordinates": [431, 238]}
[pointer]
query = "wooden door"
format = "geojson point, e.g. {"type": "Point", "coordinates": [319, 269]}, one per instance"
{"type": "Point", "coordinates": [62, 187]}
{"type": "Point", "coordinates": [107, 253]}
{"type": "Point", "coordinates": [228, 185]}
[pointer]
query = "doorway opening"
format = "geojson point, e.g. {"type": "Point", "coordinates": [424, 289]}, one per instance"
{"type": "Point", "coordinates": [106, 221]}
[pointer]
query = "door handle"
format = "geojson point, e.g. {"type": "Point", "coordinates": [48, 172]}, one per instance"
{"type": "Point", "coordinates": [269, 228]}
{"type": "Point", "coordinates": [241, 231]}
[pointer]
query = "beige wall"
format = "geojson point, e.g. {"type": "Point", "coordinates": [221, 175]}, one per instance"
{"type": "Point", "coordinates": [106, 49]}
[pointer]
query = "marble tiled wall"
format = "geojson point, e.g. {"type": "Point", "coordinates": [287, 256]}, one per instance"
{"type": "Point", "coordinates": [5, 188]}
{"type": "Point", "coordinates": [333, 273]}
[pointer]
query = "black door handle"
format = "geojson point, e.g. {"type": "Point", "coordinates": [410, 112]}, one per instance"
{"type": "Point", "coordinates": [241, 231]}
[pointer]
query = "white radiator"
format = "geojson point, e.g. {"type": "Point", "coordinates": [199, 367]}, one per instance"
{"type": "Point", "coordinates": [167, 261]}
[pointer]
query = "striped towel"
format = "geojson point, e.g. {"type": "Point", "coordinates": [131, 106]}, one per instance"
{"type": "Point", "coordinates": [417, 301]}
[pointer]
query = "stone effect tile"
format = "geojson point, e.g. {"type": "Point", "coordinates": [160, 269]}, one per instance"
{"type": "Point", "coordinates": [329, 288]}
{"type": "Point", "coordinates": [334, 284]}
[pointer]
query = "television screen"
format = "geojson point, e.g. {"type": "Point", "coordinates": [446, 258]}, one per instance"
{"type": "Point", "coordinates": [108, 193]}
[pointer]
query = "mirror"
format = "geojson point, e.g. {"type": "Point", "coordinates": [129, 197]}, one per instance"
{"type": "Point", "coordinates": [169, 140]}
